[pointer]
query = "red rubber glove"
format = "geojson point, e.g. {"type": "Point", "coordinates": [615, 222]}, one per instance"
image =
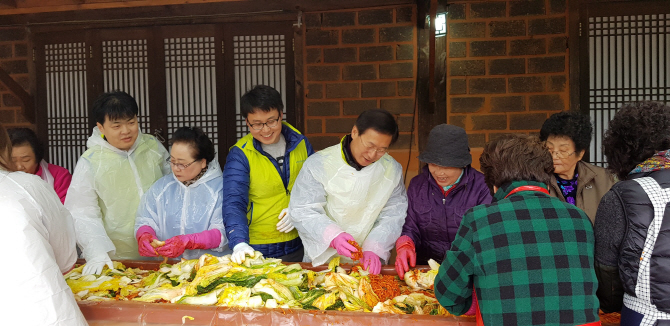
{"type": "Point", "coordinates": [343, 247]}
{"type": "Point", "coordinates": [406, 255]}
{"type": "Point", "coordinates": [145, 235]}
{"type": "Point", "coordinates": [175, 246]}
{"type": "Point", "coordinates": [371, 262]}
{"type": "Point", "coordinates": [473, 308]}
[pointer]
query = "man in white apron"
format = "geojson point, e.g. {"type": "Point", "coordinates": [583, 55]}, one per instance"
{"type": "Point", "coordinates": [352, 191]}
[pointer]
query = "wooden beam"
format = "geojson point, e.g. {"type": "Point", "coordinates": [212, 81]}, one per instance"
{"type": "Point", "coordinates": [18, 91]}
{"type": "Point", "coordinates": [170, 8]}
{"type": "Point", "coordinates": [7, 4]}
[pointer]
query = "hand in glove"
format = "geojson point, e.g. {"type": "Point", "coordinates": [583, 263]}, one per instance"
{"type": "Point", "coordinates": [96, 264]}
{"type": "Point", "coordinates": [145, 235]}
{"type": "Point", "coordinates": [343, 247]}
{"type": "Point", "coordinates": [371, 262]}
{"type": "Point", "coordinates": [240, 251]}
{"type": "Point", "coordinates": [284, 224]}
{"type": "Point", "coordinates": [175, 246]}
{"type": "Point", "coordinates": [406, 255]}
{"type": "Point", "coordinates": [473, 308]}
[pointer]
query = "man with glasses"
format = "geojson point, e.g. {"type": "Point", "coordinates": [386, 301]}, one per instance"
{"type": "Point", "coordinates": [352, 191]}
{"type": "Point", "coordinates": [258, 178]}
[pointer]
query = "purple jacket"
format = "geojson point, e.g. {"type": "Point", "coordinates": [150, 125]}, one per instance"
{"type": "Point", "coordinates": [432, 219]}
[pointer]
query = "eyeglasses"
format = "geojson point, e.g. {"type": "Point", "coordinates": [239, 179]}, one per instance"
{"type": "Point", "coordinates": [369, 147]}
{"type": "Point", "coordinates": [180, 166]}
{"type": "Point", "coordinates": [271, 123]}
{"type": "Point", "coordinates": [561, 154]}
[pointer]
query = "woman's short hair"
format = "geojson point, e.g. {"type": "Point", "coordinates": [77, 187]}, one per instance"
{"type": "Point", "coordinates": [637, 132]}
{"type": "Point", "coordinates": [26, 136]}
{"type": "Point", "coordinates": [201, 144]}
{"type": "Point", "coordinates": [574, 125]}
{"type": "Point", "coordinates": [515, 158]}
{"type": "Point", "coordinates": [6, 162]}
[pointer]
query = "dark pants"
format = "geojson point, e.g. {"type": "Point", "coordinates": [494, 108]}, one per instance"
{"type": "Point", "coordinates": [294, 257]}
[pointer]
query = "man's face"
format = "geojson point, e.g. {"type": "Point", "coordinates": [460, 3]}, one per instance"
{"type": "Point", "coordinates": [120, 133]}
{"type": "Point", "coordinates": [369, 147]}
{"type": "Point", "coordinates": [265, 126]}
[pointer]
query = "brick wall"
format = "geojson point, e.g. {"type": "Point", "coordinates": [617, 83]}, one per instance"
{"type": "Point", "coordinates": [14, 60]}
{"type": "Point", "coordinates": [357, 60]}
{"type": "Point", "coordinates": [507, 66]}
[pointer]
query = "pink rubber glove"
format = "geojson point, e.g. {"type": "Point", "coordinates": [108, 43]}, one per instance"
{"type": "Point", "coordinates": [145, 235]}
{"type": "Point", "coordinates": [371, 262]}
{"type": "Point", "coordinates": [406, 255]}
{"type": "Point", "coordinates": [175, 246]}
{"type": "Point", "coordinates": [473, 308]}
{"type": "Point", "coordinates": [343, 247]}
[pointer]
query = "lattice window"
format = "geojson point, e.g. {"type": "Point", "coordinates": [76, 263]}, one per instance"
{"type": "Point", "coordinates": [629, 61]}
{"type": "Point", "coordinates": [259, 59]}
{"type": "Point", "coordinates": [190, 75]}
{"type": "Point", "coordinates": [67, 114]}
{"type": "Point", "coordinates": [124, 67]}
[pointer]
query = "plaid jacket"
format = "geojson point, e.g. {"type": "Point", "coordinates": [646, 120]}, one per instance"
{"type": "Point", "coordinates": [529, 257]}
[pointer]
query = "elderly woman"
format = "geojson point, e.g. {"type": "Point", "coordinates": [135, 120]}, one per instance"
{"type": "Point", "coordinates": [528, 255]}
{"type": "Point", "coordinates": [438, 197]}
{"type": "Point", "coordinates": [28, 157]}
{"type": "Point", "coordinates": [632, 245]}
{"type": "Point", "coordinates": [38, 233]}
{"type": "Point", "coordinates": [184, 208]}
{"type": "Point", "coordinates": [568, 135]}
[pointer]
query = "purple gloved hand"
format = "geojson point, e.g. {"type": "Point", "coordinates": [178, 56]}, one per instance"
{"type": "Point", "coordinates": [406, 257]}
{"type": "Point", "coordinates": [175, 246]}
{"type": "Point", "coordinates": [343, 247]}
{"type": "Point", "coordinates": [371, 262]}
{"type": "Point", "coordinates": [145, 235]}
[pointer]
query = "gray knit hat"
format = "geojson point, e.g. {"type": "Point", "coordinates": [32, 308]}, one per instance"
{"type": "Point", "coordinates": [447, 146]}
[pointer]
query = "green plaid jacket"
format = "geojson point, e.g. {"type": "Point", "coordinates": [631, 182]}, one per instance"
{"type": "Point", "coordinates": [529, 257]}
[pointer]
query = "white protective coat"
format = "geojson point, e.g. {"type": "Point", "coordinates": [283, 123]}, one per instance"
{"type": "Point", "coordinates": [91, 190]}
{"type": "Point", "coordinates": [38, 234]}
{"type": "Point", "coordinates": [331, 197]}
{"type": "Point", "coordinates": [171, 209]}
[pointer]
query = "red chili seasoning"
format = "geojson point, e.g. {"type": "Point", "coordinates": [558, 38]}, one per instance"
{"type": "Point", "coordinates": [358, 255]}
{"type": "Point", "coordinates": [385, 286]}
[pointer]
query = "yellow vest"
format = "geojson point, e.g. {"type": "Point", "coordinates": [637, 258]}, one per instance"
{"type": "Point", "coordinates": [120, 181]}
{"type": "Point", "coordinates": [267, 195]}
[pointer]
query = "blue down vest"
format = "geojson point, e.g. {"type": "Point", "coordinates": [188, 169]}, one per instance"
{"type": "Point", "coordinates": [639, 213]}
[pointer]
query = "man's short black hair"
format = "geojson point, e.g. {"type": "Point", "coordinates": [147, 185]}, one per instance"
{"type": "Point", "coordinates": [380, 121]}
{"type": "Point", "coordinates": [197, 139]}
{"type": "Point", "coordinates": [114, 105]}
{"type": "Point", "coordinates": [26, 136]}
{"type": "Point", "coordinates": [261, 97]}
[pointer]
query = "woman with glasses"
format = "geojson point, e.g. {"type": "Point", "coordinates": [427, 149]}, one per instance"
{"type": "Point", "coordinates": [352, 191]}
{"type": "Point", "coordinates": [567, 136]}
{"type": "Point", "coordinates": [184, 208]}
{"type": "Point", "coordinates": [438, 197]}
{"type": "Point", "coordinates": [260, 171]}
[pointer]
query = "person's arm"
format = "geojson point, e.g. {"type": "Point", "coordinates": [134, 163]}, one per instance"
{"type": "Point", "coordinates": [62, 180]}
{"type": "Point", "coordinates": [453, 283]}
{"type": "Point", "coordinates": [82, 202]}
{"type": "Point", "coordinates": [147, 211]}
{"type": "Point", "coordinates": [59, 224]}
{"type": "Point", "coordinates": [411, 226]}
{"type": "Point", "coordinates": [307, 210]}
{"type": "Point", "coordinates": [389, 224]}
{"type": "Point", "coordinates": [484, 196]}
{"type": "Point", "coordinates": [308, 146]}
{"type": "Point", "coordinates": [236, 197]}
{"type": "Point", "coordinates": [609, 230]}
{"type": "Point", "coordinates": [216, 222]}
